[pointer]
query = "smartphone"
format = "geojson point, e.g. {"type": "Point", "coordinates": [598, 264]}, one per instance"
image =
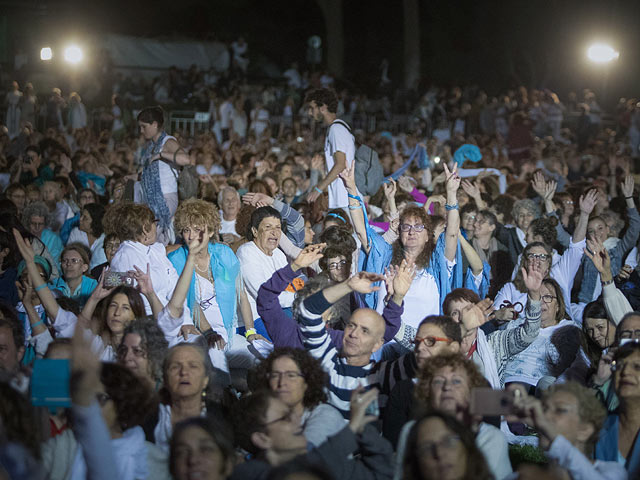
{"type": "Point", "coordinates": [373, 408]}
{"type": "Point", "coordinates": [50, 383]}
{"type": "Point", "coordinates": [115, 279]}
{"type": "Point", "coordinates": [488, 402]}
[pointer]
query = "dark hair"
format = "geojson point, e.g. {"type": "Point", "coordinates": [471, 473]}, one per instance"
{"type": "Point", "coordinates": [468, 208]}
{"type": "Point", "coordinates": [96, 211]}
{"type": "Point", "coordinates": [34, 149]}
{"type": "Point", "coordinates": [624, 318]}
{"type": "Point", "coordinates": [9, 319]}
{"type": "Point", "coordinates": [425, 256]}
{"type": "Point", "coordinates": [519, 281]}
{"type": "Point", "coordinates": [310, 368]}
{"type": "Point", "coordinates": [503, 204]}
{"type": "Point", "coordinates": [450, 328]}
{"type": "Point", "coordinates": [132, 398]}
{"type": "Point", "coordinates": [258, 215]}
{"type": "Point", "coordinates": [546, 228]}
{"type": "Point", "coordinates": [338, 215]}
{"type": "Point", "coordinates": [332, 251]}
{"type": "Point", "coordinates": [248, 417]}
{"type": "Point", "coordinates": [339, 237]}
{"type": "Point", "coordinates": [135, 301]}
{"type": "Point", "coordinates": [592, 349]}
{"type": "Point", "coordinates": [152, 114]}
{"type": "Point", "coordinates": [216, 427]}
{"type": "Point", "coordinates": [456, 295]}
{"type": "Point", "coordinates": [19, 420]}
{"type": "Point", "coordinates": [153, 341]}
{"type": "Point", "coordinates": [8, 241]}
{"type": "Point", "coordinates": [489, 216]}
{"type": "Point", "coordinates": [301, 465]}
{"type": "Point", "coordinates": [476, 464]}
{"type": "Point", "coordinates": [260, 186]}
{"type": "Point", "coordinates": [83, 190]}
{"type": "Point", "coordinates": [323, 96]}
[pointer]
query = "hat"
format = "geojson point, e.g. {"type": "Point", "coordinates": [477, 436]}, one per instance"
{"type": "Point", "coordinates": [43, 262]}
{"type": "Point", "coordinates": [467, 152]}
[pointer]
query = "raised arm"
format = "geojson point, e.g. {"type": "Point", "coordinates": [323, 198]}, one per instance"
{"type": "Point", "coordinates": [588, 202]}
{"type": "Point", "coordinates": [473, 191]}
{"type": "Point", "coordinates": [339, 164]}
{"type": "Point", "coordinates": [356, 206]}
{"type": "Point", "coordinates": [472, 256]}
{"type": "Point", "coordinates": [453, 214]}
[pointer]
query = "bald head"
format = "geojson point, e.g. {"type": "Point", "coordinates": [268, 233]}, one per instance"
{"type": "Point", "coordinates": [363, 335]}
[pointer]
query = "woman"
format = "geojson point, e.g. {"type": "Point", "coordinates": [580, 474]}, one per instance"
{"type": "Point", "coordinates": [188, 390]}
{"type": "Point", "coordinates": [110, 246]}
{"type": "Point", "coordinates": [142, 351]}
{"type": "Point", "coordinates": [445, 385]}
{"type": "Point", "coordinates": [136, 227]}
{"type": "Point", "coordinates": [202, 447]}
{"type": "Point", "coordinates": [58, 210]}
{"type": "Point", "coordinates": [91, 233]}
{"type": "Point", "coordinates": [215, 289]}
{"type": "Point", "coordinates": [568, 421]}
{"type": "Point", "coordinates": [34, 218]}
{"type": "Point", "coordinates": [299, 380]}
{"type": "Point", "coordinates": [159, 185]}
{"type": "Point", "coordinates": [415, 245]}
{"type": "Point", "coordinates": [74, 283]}
{"type": "Point", "coordinates": [441, 448]}
{"type": "Point", "coordinates": [618, 438]}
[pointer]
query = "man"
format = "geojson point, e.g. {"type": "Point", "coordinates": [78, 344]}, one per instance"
{"type": "Point", "coordinates": [351, 366]}
{"type": "Point", "coordinates": [266, 427]}
{"type": "Point", "coordinates": [229, 203]}
{"type": "Point", "coordinates": [12, 348]}
{"type": "Point", "coordinates": [339, 146]}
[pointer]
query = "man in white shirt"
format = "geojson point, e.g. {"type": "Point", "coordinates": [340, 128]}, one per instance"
{"type": "Point", "coordinates": [339, 147]}
{"type": "Point", "coordinates": [229, 202]}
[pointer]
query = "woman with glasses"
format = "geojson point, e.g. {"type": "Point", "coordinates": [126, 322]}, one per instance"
{"type": "Point", "coordinates": [618, 440]}
{"type": "Point", "coordinates": [444, 385]}
{"type": "Point", "coordinates": [142, 351]}
{"type": "Point", "coordinates": [441, 448]}
{"type": "Point", "coordinates": [74, 283]}
{"type": "Point", "coordinates": [299, 381]}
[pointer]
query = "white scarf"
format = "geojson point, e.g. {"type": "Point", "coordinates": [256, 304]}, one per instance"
{"type": "Point", "coordinates": [130, 452]}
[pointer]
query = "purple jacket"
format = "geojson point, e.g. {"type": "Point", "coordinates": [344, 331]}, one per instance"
{"type": "Point", "coordinates": [284, 331]}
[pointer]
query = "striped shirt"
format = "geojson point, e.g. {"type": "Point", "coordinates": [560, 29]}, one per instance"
{"type": "Point", "coordinates": [344, 378]}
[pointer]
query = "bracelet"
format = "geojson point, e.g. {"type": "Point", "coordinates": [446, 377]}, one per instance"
{"type": "Point", "coordinates": [355, 207]}
{"type": "Point", "coordinates": [629, 198]}
{"type": "Point", "coordinates": [317, 189]}
{"type": "Point", "coordinates": [608, 282]}
{"type": "Point", "coordinates": [33, 325]}
{"type": "Point", "coordinates": [249, 332]}
{"type": "Point", "coordinates": [450, 207]}
{"type": "Point", "coordinates": [40, 287]}
{"type": "Point", "coordinates": [355, 197]}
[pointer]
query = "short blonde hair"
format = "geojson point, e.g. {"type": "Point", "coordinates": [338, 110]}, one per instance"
{"type": "Point", "coordinates": [55, 186]}
{"type": "Point", "coordinates": [199, 213]}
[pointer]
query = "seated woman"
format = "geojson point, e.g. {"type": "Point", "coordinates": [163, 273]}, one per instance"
{"type": "Point", "coordinates": [439, 447]}
{"type": "Point", "coordinates": [136, 227]}
{"type": "Point", "coordinates": [568, 421]}
{"type": "Point", "coordinates": [34, 219]}
{"type": "Point", "coordinates": [618, 437]}
{"type": "Point", "coordinates": [142, 351]}
{"type": "Point", "coordinates": [90, 233]}
{"type": "Point", "coordinates": [199, 445]}
{"type": "Point", "coordinates": [74, 283]}
{"type": "Point", "coordinates": [110, 247]}
{"type": "Point", "coordinates": [299, 380]}
{"type": "Point", "coordinates": [444, 385]}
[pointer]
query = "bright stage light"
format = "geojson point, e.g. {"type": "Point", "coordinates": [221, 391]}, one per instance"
{"type": "Point", "coordinates": [46, 53]}
{"type": "Point", "coordinates": [602, 53]}
{"type": "Point", "coordinates": [73, 54]}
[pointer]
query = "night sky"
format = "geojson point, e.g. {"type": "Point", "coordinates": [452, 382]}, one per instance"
{"type": "Point", "coordinates": [495, 44]}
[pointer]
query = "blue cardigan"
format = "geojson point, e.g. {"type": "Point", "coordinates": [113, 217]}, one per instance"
{"type": "Point", "coordinates": [607, 446]}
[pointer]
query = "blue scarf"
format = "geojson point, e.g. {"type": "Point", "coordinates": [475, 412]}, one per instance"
{"type": "Point", "coordinates": [151, 182]}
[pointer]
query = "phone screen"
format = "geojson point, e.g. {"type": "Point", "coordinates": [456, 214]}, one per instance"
{"type": "Point", "coordinates": [490, 402]}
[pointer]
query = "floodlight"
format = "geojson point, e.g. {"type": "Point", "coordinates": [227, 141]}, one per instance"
{"type": "Point", "coordinates": [602, 53]}
{"type": "Point", "coordinates": [73, 54]}
{"type": "Point", "coordinates": [46, 53]}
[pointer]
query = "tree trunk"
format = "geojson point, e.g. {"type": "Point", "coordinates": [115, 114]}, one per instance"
{"type": "Point", "coordinates": [333, 20]}
{"type": "Point", "coordinates": [411, 42]}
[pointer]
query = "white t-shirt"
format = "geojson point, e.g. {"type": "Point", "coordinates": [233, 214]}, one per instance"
{"type": "Point", "coordinates": [227, 226]}
{"type": "Point", "coordinates": [338, 139]}
{"type": "Point", "coordinates": [225, 114]}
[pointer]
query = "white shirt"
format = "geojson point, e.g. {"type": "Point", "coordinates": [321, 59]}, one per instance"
{"type": "Point", "coordinates": [338, 139]}
{"type": "Point", "coordinates": [225, 114]}
{"type": "Point", "coordinates": [98, 257]}
{"type": "Point", "coordinates": [257, 267]}
{"type": "Point", "coordinates": [227, 226]}
{"type": "Point", "coordinates": [213, 170]}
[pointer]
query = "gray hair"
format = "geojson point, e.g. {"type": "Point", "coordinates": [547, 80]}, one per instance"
{"type": "Point", "coordinates": [35, 209]}
{"type": "Point", "coordinates": [525, 204]}
{"type": "Point", "coordinates": [153, 341]}
{"type": "Point", "coordinates": [221, 194]}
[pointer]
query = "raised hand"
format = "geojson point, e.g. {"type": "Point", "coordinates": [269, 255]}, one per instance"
{"type": "Point", "coordinates": [589, 200]}
{"type": "Point", "coordinates": [101, 291]}
{"type": "Point", "coordinates": [538, 183]}
{"type": "Point", "coordinates": [360, 400]}
{"type": "Point", "coordinates": [405, 274]}
{"type": "Point", "coordinates": [144, 280]}
{"type": "Point", "coordinates": [627, 186]}
{"type": "Point", "coordinates": [85, 369]}
{"type": "Point", "coordinates": [257, 199]}
{"type": "Point", "coordinates": [452, 179]}
{"type": "Point", "coordinates": [25, 248]}
{"type": "Point", "coordinates": [550, 190]}
{"type": "Point", "coordinates": [389, 275]}
{"type": "Point", "coordinates": [363, 282]}
{"type": "Point", "coordinates": [472, 316]}
{"type": "Point", "coordinates": [199, 243]}
{"type": "Point", "coordinates": [348, 176]}
{"type": "Point", "coordinates": [471, 189]}
{"type": "Point", "coordinates": [317, 162]}
{"type": "Point", "coordinates": [308, 256]}
{"type": "Point", "coordinates": [532, 278]}
{"type": "Point", "coordinates": [390, 189]}
{"type": "Point", "coordinates": [599, 255]}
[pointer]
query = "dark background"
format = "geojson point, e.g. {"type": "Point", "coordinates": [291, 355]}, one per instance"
{"type": "Point", "coordinates": [495, 44]}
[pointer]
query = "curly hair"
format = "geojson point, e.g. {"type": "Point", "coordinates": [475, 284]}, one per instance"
{"type": "Point", "coordinates": [133, 399]}
{"type": "Point", "coordinates": [152, 340]}
{"type": "Point", "coordinates": [197, 213]}
{"type": "Point", "coordinates": [128, 220]}
{"type": "Point", "coordinates": [333, 251]}
{"type": "Point", "coordinates": [525, 204]}
{"type": "Point", "coordinates": [19, 420]}
{"type": "Point", "coordinates": [476, 465]}
{"type": "Point", "coordinates": [96, 212]}
{"type": "Point", "coordinates": [524, 263]}
{"type": "Point", "coordinates": [455, 361]}
{"type": "Point", "coordinates": [35, 209]}
{"type": "Point", "coordinates": [323, 96]}
{"type": "Point", "coordinates": [398, 249]}
{"type": "Point", "coordinates": [545, 227]}
{"type": "Point", "coordinates": [314, 375]}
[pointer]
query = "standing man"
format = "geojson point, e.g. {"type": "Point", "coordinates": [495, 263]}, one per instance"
{"type": "Point", "coordinates": [339, 146]}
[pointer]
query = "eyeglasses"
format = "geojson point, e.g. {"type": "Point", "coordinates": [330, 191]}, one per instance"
{"type": "Point", "coordinates": [102, 398]}
{"type": "Point", "coordinates": [288, 375]}
{"type": "Point", "coordinates": [337, 265]}
{"type": "Point", "coordinates": [430, 341]}
{"type": "Point", "coordinates": [543, 257]}
{"type": "Point", "coordinates": [285, 418]}
{"type": "Point", "coordinates": [619, 365]}
{"type": "Point", "coordinates": [630, 334]}
{"type": "Point", "coordinates": [405, 227]}
{"type": "Point", "coordinates": [447, 443]}
{"type": "Point", "coordinates": [548, 298]}
{"type": "Point", "coordinates": [137, 351]}
{"type": "Point", "coordinates": [568, 202]}
{"type": "Point", "coordinates": [68, 261]}
{"type": "Point", "coordinates": [480, 220]}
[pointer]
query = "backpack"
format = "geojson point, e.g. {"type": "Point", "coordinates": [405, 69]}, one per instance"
{"type": "Point", "coordinates": [188, 179]}
{"type": "Point", "coordinates": [369, 174]}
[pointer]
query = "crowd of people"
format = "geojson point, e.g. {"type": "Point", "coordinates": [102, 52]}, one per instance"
{"type": "Point", "coordinates": [459, 300]}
